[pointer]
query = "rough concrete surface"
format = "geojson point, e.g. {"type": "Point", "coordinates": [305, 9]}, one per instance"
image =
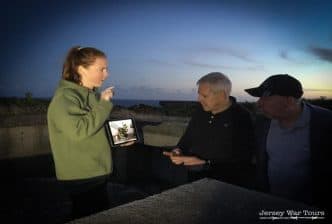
{"type": "Point", "coordinates": [203, 201]}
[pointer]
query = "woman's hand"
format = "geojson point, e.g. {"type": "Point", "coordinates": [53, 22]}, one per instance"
{"type": "Point", "coordinates": [127, 144]}
{"type": "Point", "coordinates": [107, 94]}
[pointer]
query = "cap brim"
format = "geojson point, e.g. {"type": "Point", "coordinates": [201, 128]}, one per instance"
{"type": "Point", "coordinates": [256, 92]}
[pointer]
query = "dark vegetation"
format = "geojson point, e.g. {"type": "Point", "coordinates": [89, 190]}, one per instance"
{"type": "Point", "coordinates": [29, 105]}
{"type": "Point", "coordinates": [14, 105]}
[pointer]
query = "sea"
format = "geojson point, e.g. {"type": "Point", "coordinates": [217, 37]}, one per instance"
{"type": "Point", "coordinates": [119, 102]}
{"type": "Point", "coordinates": [133, 102]}
{"type": "Point", "coordinates": [153, 103]}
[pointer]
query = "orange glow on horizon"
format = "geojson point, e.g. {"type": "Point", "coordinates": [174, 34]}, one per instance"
{"type": "Point", "coordinates": [317, 94]}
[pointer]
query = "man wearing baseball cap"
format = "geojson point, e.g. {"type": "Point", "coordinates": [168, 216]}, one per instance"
{"type": "Point", "coordinates": [294, 142]}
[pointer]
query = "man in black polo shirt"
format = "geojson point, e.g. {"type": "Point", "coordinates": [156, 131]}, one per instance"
{"type": "Point", "coordinates": [218, 141]}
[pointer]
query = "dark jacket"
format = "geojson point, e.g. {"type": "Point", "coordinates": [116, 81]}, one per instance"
{"type": "Point", "coordinates": [227, 142]}
{"type": "Point", "coordinates": [320, 148]}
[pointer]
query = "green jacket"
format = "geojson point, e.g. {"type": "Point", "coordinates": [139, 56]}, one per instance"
{"type": "Point", "coordinates": [78, 139]}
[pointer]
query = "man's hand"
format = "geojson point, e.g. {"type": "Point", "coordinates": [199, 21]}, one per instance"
{"type": "Point", "coordinates": [178, 158]}
{"type": "Point", "coordinates": [174, 152]}
{"type": "Point", "coordinates": [187, 160]}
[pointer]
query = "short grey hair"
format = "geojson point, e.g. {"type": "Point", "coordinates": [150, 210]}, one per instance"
{"type": "Point", "coordinates": [218, 82]}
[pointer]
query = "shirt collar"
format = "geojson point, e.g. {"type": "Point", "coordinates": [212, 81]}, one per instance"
{"type": "Point", "coordinates": [302, 121]}
{"type": "Point", "coordinates": [304, 118]}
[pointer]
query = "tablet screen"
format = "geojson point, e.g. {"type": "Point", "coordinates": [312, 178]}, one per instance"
{"type": "Point", "coordinates": [121, 131]}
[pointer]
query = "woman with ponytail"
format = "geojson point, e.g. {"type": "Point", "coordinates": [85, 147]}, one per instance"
{"type": "Point", "coordinates": [76, 116]}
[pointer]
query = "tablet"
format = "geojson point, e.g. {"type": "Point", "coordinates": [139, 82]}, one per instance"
{"type": "Point", "coordinates": [121, 131]}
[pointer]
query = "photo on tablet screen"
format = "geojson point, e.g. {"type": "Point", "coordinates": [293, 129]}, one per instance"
{"type": "Point", "coordinates": [121, 131]}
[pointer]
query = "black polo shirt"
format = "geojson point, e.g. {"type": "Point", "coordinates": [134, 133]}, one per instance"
{"type": "Point", "coordinates": [209, 136]}
{"type": "Point", "coordinates": [225, 139]}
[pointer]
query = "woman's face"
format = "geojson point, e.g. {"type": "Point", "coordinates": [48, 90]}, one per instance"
{"type": "Point", "coordinates": [95, 74]}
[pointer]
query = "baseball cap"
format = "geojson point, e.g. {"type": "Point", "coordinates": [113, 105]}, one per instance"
{"type": "Point", "coordinates": [281, 84]}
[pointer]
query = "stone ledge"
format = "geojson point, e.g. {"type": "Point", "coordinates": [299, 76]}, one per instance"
{"type": "Point", "coordinates": [203, 201]}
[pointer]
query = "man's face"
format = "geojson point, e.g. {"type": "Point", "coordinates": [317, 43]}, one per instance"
{"type": "Point", "coordinates": [273, 107]}
{"type": "Point", "coordinates": [210, 100]}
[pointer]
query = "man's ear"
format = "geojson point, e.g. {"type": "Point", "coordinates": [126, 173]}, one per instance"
{"type": "Point", "coordinates": [290, 100]}
{"type": "Point", "coordinates": [222, 94]}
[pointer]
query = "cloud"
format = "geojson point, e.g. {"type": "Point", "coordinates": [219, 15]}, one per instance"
{"type": "Point", "coordinates": [293, 57]}
{"type": "Point", "coordinates": [322, 53]}
{"type": "Point", "coordinates": [284, 55]}
{"type": "Point", "coordinates": [213, 66]}
{"type": "Point", "coordinates": [207, 65]}
{"type": "Point", "coordinates": [239, 54]}
{"type": "Point", "coordinates": [209, 52]}
{"type": "Point", "coordinates": [160, 62]}
{"type": "Point", "coordinates": [232, 59]}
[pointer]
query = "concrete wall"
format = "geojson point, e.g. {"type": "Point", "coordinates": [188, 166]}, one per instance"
{"type": "Point", "coordinates": [23, 141]}
{"type": "Point", "coordinates": [167, 133]}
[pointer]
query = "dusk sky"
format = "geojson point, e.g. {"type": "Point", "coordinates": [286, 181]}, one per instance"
{"type": "Point", "coordinates": [158, 49]}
